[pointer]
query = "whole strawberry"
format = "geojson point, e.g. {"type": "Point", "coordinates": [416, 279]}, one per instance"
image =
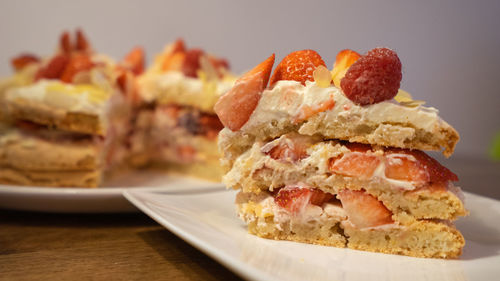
{"type": "Point", "coordinates": [373, 78]}
{"type": "Point", "coordinates": [298, 66]}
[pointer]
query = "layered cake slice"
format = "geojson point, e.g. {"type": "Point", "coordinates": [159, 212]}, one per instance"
{"type": "Point", "coordinates": [65, 118]}
{"type": "Point", "coordinates": [176, 125]}
{"type": "Point", "coordinates": [330, 158]}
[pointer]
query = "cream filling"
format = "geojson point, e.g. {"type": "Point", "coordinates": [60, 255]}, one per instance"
{"type": "Point", "coordinates": [287, 99]}
{"type": "Point", "coordinates": [55, 94]}
{"type": "Point", "coordinates": [175, 87]}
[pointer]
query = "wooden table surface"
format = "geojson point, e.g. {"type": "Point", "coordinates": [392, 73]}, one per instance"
{"type": "Point", "coordinates": [41, 246]}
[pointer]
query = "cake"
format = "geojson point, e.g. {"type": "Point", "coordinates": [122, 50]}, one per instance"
{"type": "Point", "coordinates": [176, 127]}
{"type": "Point", "coordinates": [336, 157]}
{"type": "Point", "coordinates": [64, 118]}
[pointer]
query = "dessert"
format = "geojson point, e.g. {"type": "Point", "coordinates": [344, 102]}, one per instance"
{"type": "Point", "coordinates": [65, 117]}
{"type": "Point", "coordinates": [336, 157]}
{"type": "Point", "coordinates": [175, 125]}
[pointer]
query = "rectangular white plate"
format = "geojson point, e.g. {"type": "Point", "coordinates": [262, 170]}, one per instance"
{"type": "Point", "coordinates": [208, 221]}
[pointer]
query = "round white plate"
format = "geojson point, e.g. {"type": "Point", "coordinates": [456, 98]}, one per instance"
{"type": "Point", "coordinates": [104, 199]}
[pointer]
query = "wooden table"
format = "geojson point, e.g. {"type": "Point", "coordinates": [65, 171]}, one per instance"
{"type": "Point", "coordinates": [132, 246]}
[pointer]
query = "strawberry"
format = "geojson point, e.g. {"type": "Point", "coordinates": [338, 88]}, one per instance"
{"type": "Point", "coordinates": [134, 60]}
{"type": "Point", "coordinates": [174, 58]}
{"type": "Point", "coordinates": [82, 44]}
{"type": "Point", "coordinates": [358, 147]}
{"type": "Point", "coordinates": [298, 66]}
{"type": "Point", "coordinates": [53, 69]}
{"type": "Point", "coordinates": [295, 198]}
{"type": "Point", "coordinates": [364, 210]}
{"type": "Point", "coordinates": [373, 78]}
{"type": "Point", "coordinates": [343, 61]}
{"type": "Point", "coordinates": [235, 107]}
{"type": "Point", "coordinates": [65, 43]}
{"type": "Point", "coordinates": [79, 62]}
{"type": "Point", "coordinates": [436, 172]}
{"type": "Point", "coordinates": [399, 167]}
{"type": "Point", "coordinates": [191, 62]}
{"type": "Point", "coordinates": [292, 148]}
{"type": "Point", "coordinates": [23, 60]}
{"type": "Point", "coordinates": [355, 164]}
{"type": "Point", "coordinates": [308, 111]}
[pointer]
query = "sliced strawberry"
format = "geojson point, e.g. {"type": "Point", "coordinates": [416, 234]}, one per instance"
{"type": "Point", "coordinates": [364, 210]}
{"type": "Point", "coordinates": [355, 164]}
{"type": "Point", "coordinates": [79, 62]}
{"type": "Point", "coordinates": [318, 197]}
{"type": "Point", "coordinates": [178, 46]}
{"type": "Point", "coordinates": [235, 107]}
{"type": "Point", "coordinates": [358, 147]}
{"type": "Point", "coordinates": [82, 44]}
{"type": "Point", "coordinates": [65, 43]}
{"type": "Point", "coordinates": [298, 66]}
{"type": "Point", "coordinates": [210, 125]}
{"type": "Point", "coordinates": [373, 78]}
{"type": "Point", "coordinates": [295, 198]}
{"type": "Point", "coordinates": [54, 69]}
{"type": "Point", "coordinates": [403, 167]}
{"type": "Point", "coordinates": [436, 172]}
{"type": "Point", "coordinates": [291, 148]}
{"type": "Point", "coordinates": [134, 60]}
{"type": "Point", "coordinates": [308, 111]}
{"type": "Point", "coordinates": [191, 62]}
{"type": "Point", "coordinates": [343, 61]}
{"type": "Point", "coordinates": [23, 60]}
{"type": "Point", "coordinates": [174, 59]}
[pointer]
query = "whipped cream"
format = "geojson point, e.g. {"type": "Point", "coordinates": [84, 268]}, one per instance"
{"type": "Point", "coordinates": [58, 95]}
{"type": "Point", "coordinates": [287, 98]}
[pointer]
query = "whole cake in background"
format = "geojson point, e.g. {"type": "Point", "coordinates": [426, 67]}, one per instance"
{"type": "Point", "coordinates": [335, 157]}
{"type": "Point", "coordinates": [176, 127]}
{"type": "Point", "coordinates": [76, 117]}
{"type": "Point", "coordinates": [65, 117]}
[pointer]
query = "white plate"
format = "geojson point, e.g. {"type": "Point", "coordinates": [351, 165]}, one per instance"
{"type": "Point", "coordinates": [108, 198]}
{"type": "Point", "coordinates": [208, 221]}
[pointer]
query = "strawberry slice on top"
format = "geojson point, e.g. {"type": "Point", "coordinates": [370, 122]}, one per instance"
{"type": "Point", "coordinates": [298, 66]}
{"type": "Point", "coordinates": [235, 107]}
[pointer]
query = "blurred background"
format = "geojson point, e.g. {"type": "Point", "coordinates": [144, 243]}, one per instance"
{"type": "Point", "coordinates": [450, 50]}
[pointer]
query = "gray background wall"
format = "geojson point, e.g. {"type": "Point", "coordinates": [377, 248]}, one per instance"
{"type": "Point", "coordinates": [450, 50]}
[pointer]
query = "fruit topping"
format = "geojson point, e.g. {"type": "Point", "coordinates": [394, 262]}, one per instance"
{"type": "Point", "coordinates": [295, 198]}
{"type": "Point", "coordinates": [134, 60]}
{"type": "Point", "coordinates": [191, 62]}
{"type": "Point", "coordinates": [23, 60]}
{"type": "Point", "coordinates": [235, 107]}
{"type": "Point", "coordinates": [54, 68]}
{"type": "Point", "coordinates": [322, 76]}
{"type": "Point", "coordinates": [65, 43]}
{"type": "Point", "coordinates": [373, 78]}
{"type": "Point", "coordinates": [298, 66]}
{"type": "Point", "coordinates": [405, 167]}
{"type": "Point", "coordinates": [289, 148]}
{"type": "Point", "coordinates": [78, 62]}
{"type": "Point", "coordinates": [364, 210]}
{"type": "Point", "coordinates": [81, 44]}
{"type": "Point", "coordinates": [343, 61]}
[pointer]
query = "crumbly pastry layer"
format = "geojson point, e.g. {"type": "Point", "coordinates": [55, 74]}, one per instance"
{"type": "Point", "coordinates": [83, 178]}
{"type": "Point", "coordinates": [50, 152]}
{"type": "Point", "coordinates": [291, 107]}
{"type": "Point", "coordinates": [255, 171]}
{"type": "Point", "coordinates": [329, 225]}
